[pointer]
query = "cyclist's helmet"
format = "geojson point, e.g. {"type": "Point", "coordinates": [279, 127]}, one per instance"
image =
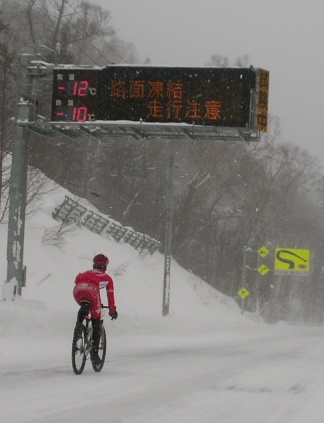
{"type": "Point", "coordinates": [100, 261]}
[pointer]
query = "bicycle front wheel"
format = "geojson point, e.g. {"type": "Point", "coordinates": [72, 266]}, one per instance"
{"type": "Point", "coordinates": [97, 366]}
{"type": "Point", "coordinates": [79, 349]}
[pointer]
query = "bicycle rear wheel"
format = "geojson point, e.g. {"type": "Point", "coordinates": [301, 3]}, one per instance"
{"type": "Point", "coordinates": [79, 349]}
{"type": "Point", "coordinates": [97, 366]}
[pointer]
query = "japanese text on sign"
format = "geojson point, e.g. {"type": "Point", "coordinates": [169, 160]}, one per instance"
{"type": "Point", "coordinates": [175, 107]}
{"type": "Point", "coordinates": [262, 100]}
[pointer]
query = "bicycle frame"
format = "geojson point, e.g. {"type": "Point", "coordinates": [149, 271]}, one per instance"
{"type": "Point", "coordinates": [82, 344]}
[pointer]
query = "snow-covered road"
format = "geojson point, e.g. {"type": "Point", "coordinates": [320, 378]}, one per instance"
{"type": "Point", "coordinates": [274, 375]}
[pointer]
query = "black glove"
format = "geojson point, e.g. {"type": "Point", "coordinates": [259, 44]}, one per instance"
{"type": "Point", "coordinates": [113, 315]}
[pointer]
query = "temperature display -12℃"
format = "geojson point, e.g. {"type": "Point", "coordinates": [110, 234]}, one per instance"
{"type": "Point", "coordinates": [75, 95]}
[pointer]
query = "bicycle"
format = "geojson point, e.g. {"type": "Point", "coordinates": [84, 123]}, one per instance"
{"type": "Point", "coordinates": [82, 343]}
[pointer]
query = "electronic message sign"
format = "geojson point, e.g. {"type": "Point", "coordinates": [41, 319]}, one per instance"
{"type": "Point", "coordinates": [224, 97]}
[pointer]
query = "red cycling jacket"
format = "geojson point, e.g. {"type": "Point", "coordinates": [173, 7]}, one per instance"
{"type": "Point", "coordinates": [87, 286]}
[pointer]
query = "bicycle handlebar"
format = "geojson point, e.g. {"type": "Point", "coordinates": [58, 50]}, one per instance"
{"type": "Point", "coordinates": [103, 306]}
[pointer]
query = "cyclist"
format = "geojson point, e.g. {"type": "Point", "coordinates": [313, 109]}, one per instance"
{"type": "Point", "coordinates": [86, 293]}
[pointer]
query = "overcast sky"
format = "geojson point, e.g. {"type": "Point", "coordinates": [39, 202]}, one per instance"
{"type": "Point", "coordinates": [283, 36]}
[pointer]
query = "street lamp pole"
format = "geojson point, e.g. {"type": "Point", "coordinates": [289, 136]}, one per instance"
{"type": "Point", "coordinates": [168, 234]}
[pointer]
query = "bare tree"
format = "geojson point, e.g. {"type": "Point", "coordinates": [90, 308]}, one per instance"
{"type": "Point", "coordinates": [224, 62]}
{"type": "Point", "coordinates": [218, 60]}
{"type": "Point", "coordinates": [7, 94]}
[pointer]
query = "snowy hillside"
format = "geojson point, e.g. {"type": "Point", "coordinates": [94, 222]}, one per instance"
{"type": "Point", "coordinates": [51, 270]}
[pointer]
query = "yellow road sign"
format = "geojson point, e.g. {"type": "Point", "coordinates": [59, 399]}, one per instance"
{"type": "Point", "coordinates": [243, 293]}
{"type": "Point", "coordinates": [262, 100]}
{"type": "Point", "coordinates": [263, 269]}
{"type": "Point", "coordinates": [263, 251]}
{"type": "Point", "coordinates": [291, 261]}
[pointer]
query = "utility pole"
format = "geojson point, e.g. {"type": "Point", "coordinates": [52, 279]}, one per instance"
{"type": "Point", "coordinates": [168, 234]}
{"type": "Point", "coordinates": [25, 109]}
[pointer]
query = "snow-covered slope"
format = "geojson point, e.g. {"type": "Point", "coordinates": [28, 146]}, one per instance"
{"type": "Point", "coordinates": [47, 301]}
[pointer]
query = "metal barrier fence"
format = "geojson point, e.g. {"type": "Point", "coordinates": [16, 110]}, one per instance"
{"type": "Point", "coordinates": [71, 211]}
